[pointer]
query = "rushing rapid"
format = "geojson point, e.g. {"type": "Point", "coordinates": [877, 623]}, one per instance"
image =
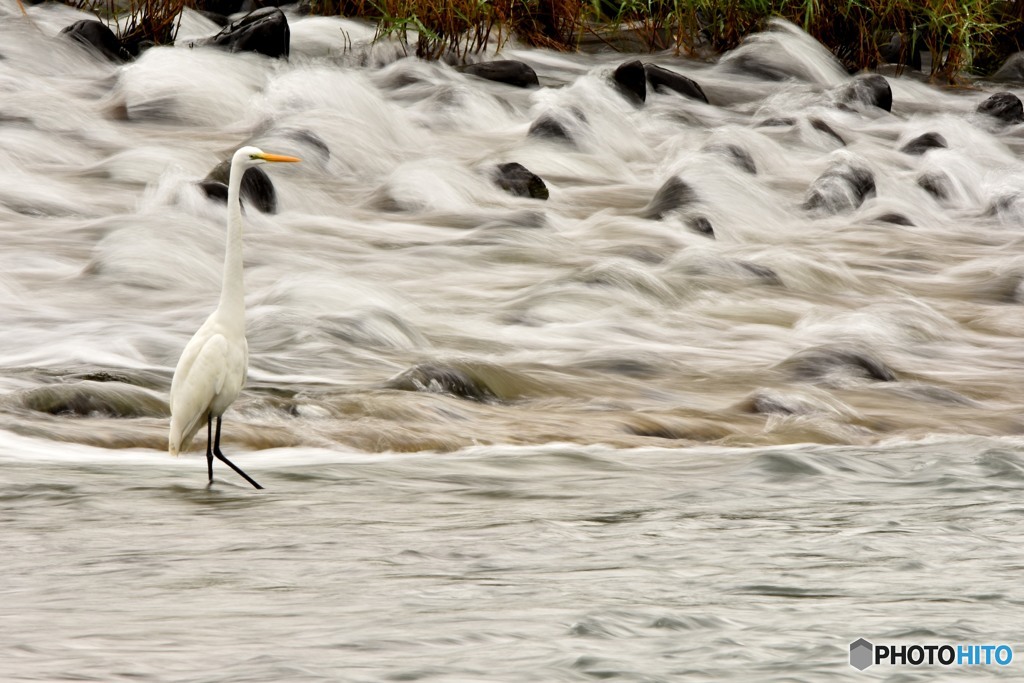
{"type": "Point", "coordinates": [395, 265]}
{"type": "Point", "coordinates": [745, 386]}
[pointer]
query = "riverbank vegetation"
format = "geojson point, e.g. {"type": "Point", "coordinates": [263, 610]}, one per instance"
{"type": "Point", "coordinates": [960, 36]}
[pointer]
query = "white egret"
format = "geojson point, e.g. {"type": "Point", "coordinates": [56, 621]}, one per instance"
{"type": "Point", "coordinates": [213, 366]}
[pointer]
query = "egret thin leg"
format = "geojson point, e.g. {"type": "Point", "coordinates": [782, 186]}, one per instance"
{"type": "Point", "coordinates": [209, 446]}
{"type": "Point", "coordinates": [222, 458]}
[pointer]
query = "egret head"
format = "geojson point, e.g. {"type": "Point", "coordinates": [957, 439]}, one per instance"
{"type": "Point", "coordinates": [254, 156]}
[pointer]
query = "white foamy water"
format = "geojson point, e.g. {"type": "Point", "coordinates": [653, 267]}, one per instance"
{"type": "Point", "coordinates": [664, 456]}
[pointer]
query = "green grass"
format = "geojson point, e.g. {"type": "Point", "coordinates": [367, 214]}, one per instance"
{"type": "Point", "coordinates": [964, 36]}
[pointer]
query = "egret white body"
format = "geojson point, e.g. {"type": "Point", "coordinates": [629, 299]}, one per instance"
{"type": "Point", "coordinates": [212, 369]}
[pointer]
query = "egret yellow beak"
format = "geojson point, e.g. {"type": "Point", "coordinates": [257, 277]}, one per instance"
{"type": "Point", "coordinates": [276, 157]}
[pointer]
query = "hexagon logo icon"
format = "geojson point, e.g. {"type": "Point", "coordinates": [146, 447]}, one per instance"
{"type": "Point", "coordinates": [861, 654]}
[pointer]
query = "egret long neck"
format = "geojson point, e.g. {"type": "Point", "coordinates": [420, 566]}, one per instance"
{"type": "Point", "coordinates": [232, 293]}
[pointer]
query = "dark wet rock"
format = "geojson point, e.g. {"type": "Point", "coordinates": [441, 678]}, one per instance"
{"type": "Point", "coordinates": [867, 89]}
{"type": "Point", "coordinates": [257, 189]}
{"type": "Point", "coordinates": [841, 188]}
{"type": "Point", "coordinates": [214, 189]}
{"type": "Point", "coordinates": [777, 122]}
{"type": "Point", "coordinates": [936, 183]}
{"type": "Point", "coordinates": [559, 126]}
{"type": "Point", "coordinates": [549, 127]}
{"type": "Point", "coordinates": [1012, 70]}
{"type": "Point", "coordinates": [819, 125]}
{"type": "Point", "coordinates": [895, 219]}
{"type": "Point", "coordinates": [98, 38]}
{"type": "Point", "coordinates": [662, 80]}
{"type": "Point", "coordinates": [701, 225]}
{"type": "Point", "coordinates": [91, 399]}
{"type": "Point", "coordinates": [508, 71]}
{"type": "Point", "coordinates": [439, 379]}
{"type": "Point", "coordinates": [673, 195]}
{"type": "Point", "coordinates": [1004, 106]}
{"type": "Point", "coordinates": [631, 80]}
{"type": "Point", "coordinates": [264, 31]}
{"type": "Point", "coordinates": [519, 181]}
{"type": "Point", "coordinates": [820, 362]}
{"type": "Point", "coordinates": [737, 155]}
{"type": "Point", "coordinates": [924, 142]}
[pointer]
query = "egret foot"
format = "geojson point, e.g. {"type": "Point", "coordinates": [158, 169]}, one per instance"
{"type": "Point", "coordinates": [220, 456]}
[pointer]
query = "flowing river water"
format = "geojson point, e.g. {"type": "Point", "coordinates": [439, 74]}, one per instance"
{"type": "Point", "coordinates": [506, 438]}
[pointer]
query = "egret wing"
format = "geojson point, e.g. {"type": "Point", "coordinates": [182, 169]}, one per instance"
{"type": "Point", "coordinates": [200, 378]}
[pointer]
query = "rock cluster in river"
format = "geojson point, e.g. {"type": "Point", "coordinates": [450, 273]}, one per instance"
{"type": "Point", "coordinates": [633, 77]}
{"type": "Point", "coordinates": [264, 31]}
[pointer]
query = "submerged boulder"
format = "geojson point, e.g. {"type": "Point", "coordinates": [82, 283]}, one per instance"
{"type": "Point", "coordinates": [560, 126]}
{"type": "Point", "coordinates": [98, 37]}
{"type": "Point", "coordinates": [1004, 106]}
{"type": "Point", "coordinates": [631, 79]}
{"type": "Point", "coordinates": [662, 79]}
{"type": "Point", "coordinates": [819, 363]}
{"type": "Point", "coordinates": [820, 126]}
{"type": "Point", "coordinates": [440, 379]}
{"type": "Point", "coordinates": [93, 399]}
{"type": "Point", "coordinates": [867, 89]}
{"type": "Point", "coordinates": [508, 71]}
{"type": "Point", "coordinates": [776, 122]}
{"type": "Point", "coordinates": [843, 187]}
{"type": "Point", "coordinates": [737, 155]}
{"type": "Point", "coordinates": [257, 189]}
{"type": "Point", "coordinates": [937, 184]}
{"type": "Point", "coordinates": [264, 31]}
{"type": "Point", "coordinates": [924, 142]}
{"type": "Point", "coordinates": [549, 127]}
{"type": "Point", "coordinates": [674, 194]}
{"type": "Point", "coordinates": [894, 218]}
{"type": "Point", "coordinates": [702, 226]}
{"type": "Point", "coordinates": [519, 181]}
